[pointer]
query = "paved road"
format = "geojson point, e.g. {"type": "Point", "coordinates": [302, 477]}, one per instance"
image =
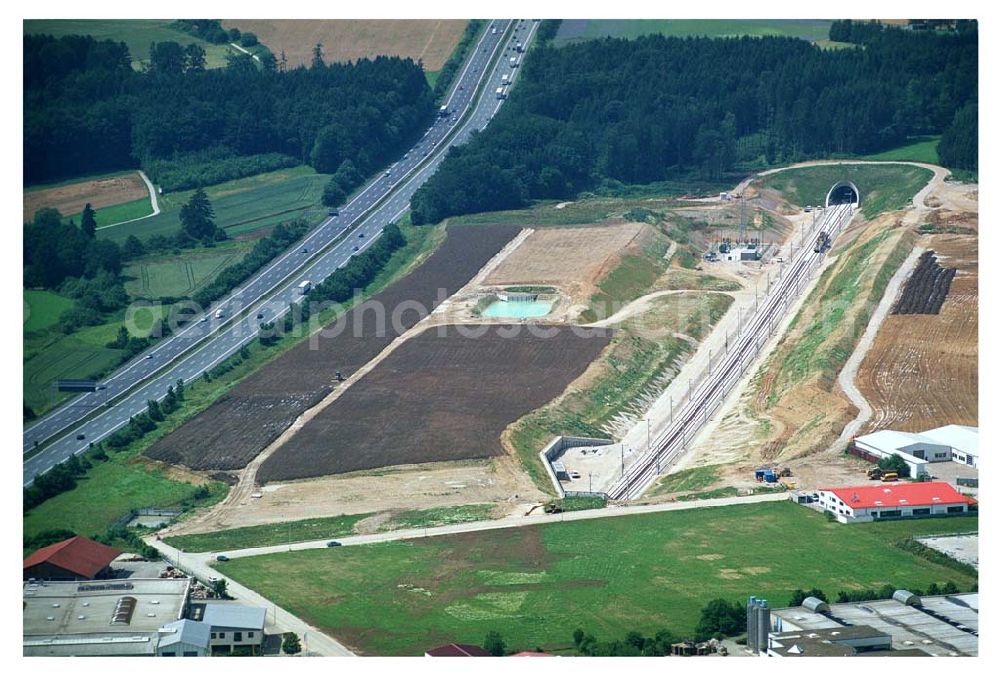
{"type": "Point", "coordinates": [201, 566]}
{"type": "Point", "coordinates": [209, 340]}
{"type": "Point", "coordinates": [711, 389]}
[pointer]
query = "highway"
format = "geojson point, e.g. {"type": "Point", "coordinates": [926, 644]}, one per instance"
{"type": "Point", "coordinates": [722, 377]}
{"type": "Point", "coordinates": [207, 340]}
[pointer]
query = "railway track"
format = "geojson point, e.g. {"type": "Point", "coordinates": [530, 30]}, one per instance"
{"type": "Point", "coordinates": [710, 389]}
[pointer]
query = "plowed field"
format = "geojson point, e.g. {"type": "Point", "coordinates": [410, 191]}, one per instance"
{"type": "Point", "coordinates": [922, 370]}
{"type": "Point", "coordinates": [231, 431]}
{"type": "Point", "coordinates": [442, 395]}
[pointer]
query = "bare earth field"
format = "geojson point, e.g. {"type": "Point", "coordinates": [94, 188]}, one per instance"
{"type": "Point", "coordinates": [923, 369]}
{"type": "Point", "coordinates": [445, 394]}
{"type": "Point", "coordinates": [71, 198]}
{"type": "Point", "coordinates": [256, 411]}
{"type": "Point", "coordinates": [574, 259]}
{"type": "Point", "coordinates": [430, 41]}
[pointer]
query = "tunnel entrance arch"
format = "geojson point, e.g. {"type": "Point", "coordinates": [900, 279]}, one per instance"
{"type": "Point", "coordinates": [844, 192]}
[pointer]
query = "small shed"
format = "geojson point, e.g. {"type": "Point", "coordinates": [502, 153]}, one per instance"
{"type": "Point", "coordinates": [907, 598]}
{"type": "Point", "coordinates": [814, 604]}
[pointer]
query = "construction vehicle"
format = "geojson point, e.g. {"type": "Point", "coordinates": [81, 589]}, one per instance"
{"type": "Point", "coordinates": [822, 243]}
{"type": "Point", "coordinates": [785, 472]}
{"type": "Point", "coordinates": [890, 476]}
{"type": "Point", "coordinates": [765, 476]}
{"type": "Point", "coordinates": [874, 473]}
{"type": "Point", "coordinates": [552, 507]}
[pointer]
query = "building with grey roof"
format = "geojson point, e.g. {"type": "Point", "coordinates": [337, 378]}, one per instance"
{"type": "Point", "coordinates": [184, 638]}
{"type": "Point", "coordinates": [233, 626]}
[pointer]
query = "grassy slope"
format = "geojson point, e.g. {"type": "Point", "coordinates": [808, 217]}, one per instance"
{"type": "Point", "coordinates": [178, 275]}
{"type": "Point", "coordinates": [698, 478]}
{"type": "Point", "coordinates": [883, 188]}
{"type": "Point", "coordinates": [201, 394]}
{"type": "Point", "coordinates": [119, 213]}
{"type": "Point", "coordinates": [922, 149]}
{"type": "Point", "coordinates": [639, 352]}
{"type": "Point", "coordinates": [136, 33]}
{"type": "Point", "coordinates": [241, 205]}
{"type": "Point", "coordinates": [42, 309]}
{"type": "Point", "coordinates": [535, 585]}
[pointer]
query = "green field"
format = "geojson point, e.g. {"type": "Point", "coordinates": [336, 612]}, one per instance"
{"type": "Point", "coordinates": [687, 480]}
{"type": "Point", "coordinates": [50, 355]}
{"type": "Point", "coordinates": [535, 585]}
{"type": "Point", "coordinates": [136, 33]}
{"type": "Point", "coordinates": [883, 187]}
{"type": "Point", "coordinates": [324, 528]}
{"type": "Point", "coordinates": [589, 29]}
{"type": "Point", "coordinates": [241, 205]}
{"type": "Point", "coordinates": [42, 309]}
{"type": "Point", "coordinates": [923, 149]}
{"type": "Point", "coordinates": [180, 275]}
{"type": "Point", "coordinates": [119, 213]}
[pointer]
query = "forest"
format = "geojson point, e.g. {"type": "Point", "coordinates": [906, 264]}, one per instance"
{"type": "Point", "coordinates": [658, 108]}
{"type": "Point", "coordinates": [87, 111]}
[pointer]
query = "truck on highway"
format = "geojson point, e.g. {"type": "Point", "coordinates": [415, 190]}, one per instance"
{"type": "Point", "coordinates": [500, 93]}
{"type": "Point", "coordinates": [513, 62]}
{"type": "Point", "coordinates": [443, 112]}
{"type": "Point", "coordinates": [520, 48]}
{"type": "Point", "coordinates": [218, 314]}
{"type": "Point", "coordinates": [305, 287]}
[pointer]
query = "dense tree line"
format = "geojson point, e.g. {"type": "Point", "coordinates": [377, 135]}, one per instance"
{"type": "Point", "coordinates": [86, 109]}
{"type": "Point", "coordinates": [959, 144]}
{"type": "Point", "coordinates": [644, 110]}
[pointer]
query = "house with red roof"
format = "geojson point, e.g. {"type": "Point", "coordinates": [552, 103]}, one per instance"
{"type": "Point", "coordinates": [73, 559]}
{"type": "Point", "coordinates": [885, 501]}
{"type": "Point", "coordinates": [455, 649]}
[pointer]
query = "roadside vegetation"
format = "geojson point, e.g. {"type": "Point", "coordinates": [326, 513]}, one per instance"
{"type": "Point", "coordinates": [520, 582]}
{"type": "Point", "coordinates": [920, 149]}
{"type": "Point", "coordinates": [688, 480]}
{"type": "Point", "coordinates": [591, 29]}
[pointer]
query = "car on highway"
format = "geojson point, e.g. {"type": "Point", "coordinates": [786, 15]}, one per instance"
{"type": "Point", "coordinates": [222, 558]}
{"type": "Point", "coordinates": [333, 544]}
{"type": "Point", "coordinates": [80, 437]}
{"type": "Point", "coordinates": [361, 235]}
{"type": "Point", "coordinates": [204, 318]}
{"type": "Point", "coordinates": [149, 356]}
{"type": "Point", "coordinates": [260, 315]}
{"type": "Point", "coordinates": [333, 212]}
{"type": "Point", "coordinates": [355, 248]}
{"type": "Point", "coordinates": [386, 174]}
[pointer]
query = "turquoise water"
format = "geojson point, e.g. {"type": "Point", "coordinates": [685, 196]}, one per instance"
{"type": "Point", "coordinates": [517, 310]}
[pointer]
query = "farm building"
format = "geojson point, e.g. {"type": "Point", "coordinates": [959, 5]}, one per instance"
{"type": "Point", "coordinates": [232, 626]}
{"type": "Point", "coordinates": [73, 559]}
{"type": "Point", "coordinates": [865, 503]}
{"type": "Point", "coordinates": [905, 625]}
{"type": "Point", "coordinates": [455, 649]}
{"type": "Point", "coordinates": [949, 443]}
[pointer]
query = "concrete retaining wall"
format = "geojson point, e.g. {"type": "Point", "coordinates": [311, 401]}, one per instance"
{"type": "Point", "coordinates": [557, 446]}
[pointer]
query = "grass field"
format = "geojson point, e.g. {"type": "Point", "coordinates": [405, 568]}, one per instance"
{"type": "Point", "coordinates": [241, 205]}
{"type": "Point", "coordinates": [324, 528]}
{"type": "Point", "coordinates": [687, 480]}
{"type": "Point", "coordinates": [535, 585]}
{"type": "Point", "coordinates": [136, 33]}
{"type": "Point", "coordinates": [181, 275]}
{"type": "Point", "coordinates": [588, 29]}
{"type": "Point", "coordinates": [42, 309]}
{"type": "Point", "coordinates": [120, 213]}
{"type": "Point", "coordinates": [50, 355]}
{"type": "Point", "coordinates": [883, 188]}
{"type": "Point", "coordinates": [922, 149]}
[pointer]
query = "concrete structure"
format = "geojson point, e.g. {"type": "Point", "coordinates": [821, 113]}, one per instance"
{"type": "Point", "coordinates": [184, 638]}
{"type": "Point", "coordinates": [114, 618]}
{"type": "Point", "coordinates": [937, 625]}
{"type": "Point", "coordinates": [948, 443]}
{"type": "Point", "coordinates": [884, 501]}
{"type": "Point", "coordinates": [554, 450]}
{"type": "Point", "coordinates": [511, 296]}
{"type": "Point", "coordinates": [840, 194]}
{"type": "Point", "coordinates": [455, 649]}
{"type": "Point", "coordinates": [73, 559]}
{"type": "Point", "coordinates": [758, 624]}
{"type": "Point", "coordinates": [840, 641]}
{"type": "Point", "coordinates": [232, 626]}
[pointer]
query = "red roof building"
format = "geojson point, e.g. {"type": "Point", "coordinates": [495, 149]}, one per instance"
{"type": "Point", "coordinates": [881, 501]}
{"type": "Point", "coordinates": [76, 558]}
{"type": "Point", "coordinates": [455, 649]}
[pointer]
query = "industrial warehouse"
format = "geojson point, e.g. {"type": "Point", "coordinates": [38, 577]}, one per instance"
{"type": "Point", "coordinates": [951, 443]}
{"type": "Point", "coordinates": [905, 625]}
{"type": "Point", "coordinates": [865, 503]}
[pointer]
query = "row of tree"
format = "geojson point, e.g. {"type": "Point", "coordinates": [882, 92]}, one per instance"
{"type": "Point", "coordinates": [653, 108]}
{"type": "Point", "coordinates": [87, 110]}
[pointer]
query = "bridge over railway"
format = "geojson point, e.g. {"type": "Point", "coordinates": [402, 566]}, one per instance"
{"type": "Point", "coordinates": [710, 389]}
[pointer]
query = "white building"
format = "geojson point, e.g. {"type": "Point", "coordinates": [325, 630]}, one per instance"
{"type": "Point", "coordinates": [184, 638]}
{"type": "Point", "coordinates": [865, 503]}
{"type": "Point", "coordinates": [948, 443]}
{"type": "Point", "coordinates": [232, 626]}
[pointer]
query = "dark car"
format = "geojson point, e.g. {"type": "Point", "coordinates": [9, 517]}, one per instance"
{"type": "Point", "coordinates": [333, 544]}
{"type": "Point", "coordinates": [361, 235]}
{"type": "Point", "coordinates": [334, 212]}
{"type": "Point", "coordinates": [222, 558]}
{"type": "Point", "coordinates": [80, 437]}
{"type": "Point", "coordinates": [305, 250]}
{"type": "Point", "coordinates": [355, 248]}
{"type": "Point", "coordinates": [260, 315]}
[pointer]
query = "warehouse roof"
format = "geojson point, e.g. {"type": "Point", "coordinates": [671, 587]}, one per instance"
{"type": "Point", "coordinates": [77, 554]}
{"type": "Point", "coordinates": [185, 631]}
{"type": "Point", "coordinates": [965, 439]}
{"type": "Point", "coordinates": [900, 494]}
{"type": "Point", "coordinates": [887, 439]}
{"type": "Point", "coordinates": [234, 616]}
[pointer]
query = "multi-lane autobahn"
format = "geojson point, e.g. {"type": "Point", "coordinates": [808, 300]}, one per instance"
{"type": "Point", "coordinates": [722, 377]}
{"type": "Point", "coordinates": [208, 340]}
